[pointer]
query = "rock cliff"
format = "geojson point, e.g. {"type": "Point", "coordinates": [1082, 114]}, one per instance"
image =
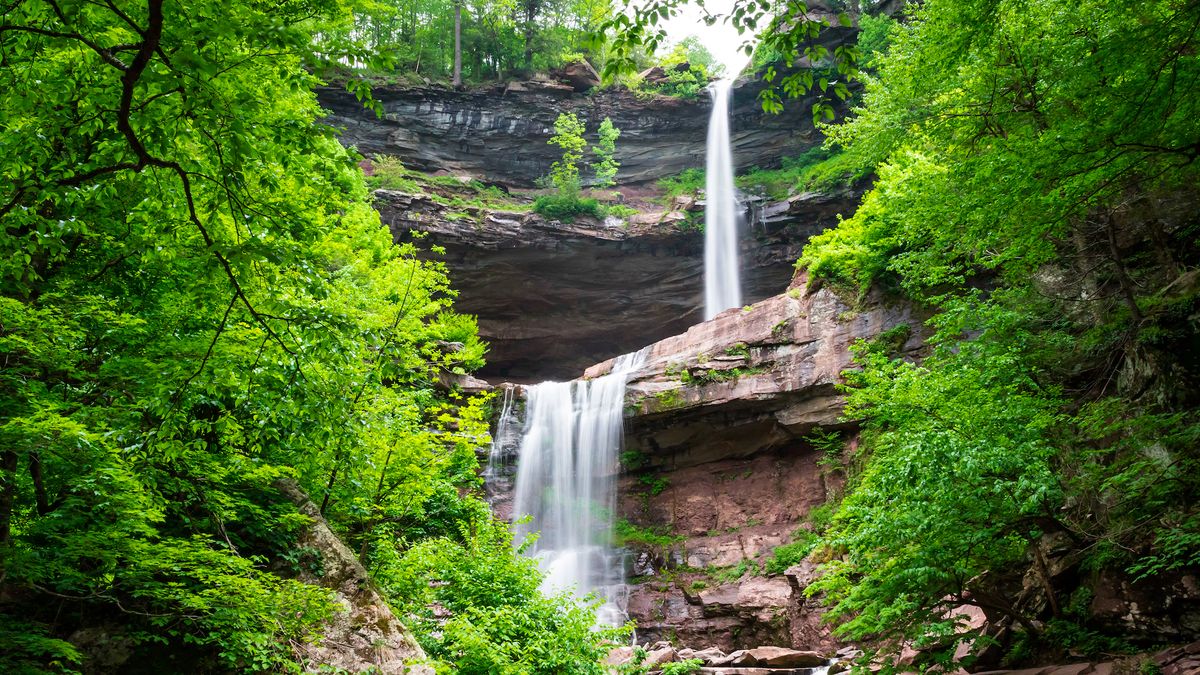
{"type": "Point", "coordinates": [498, 134]}
{"type": "Point", "coordinates": [553, 298]}
{"type": "Point", "coordinates": [720, 457]}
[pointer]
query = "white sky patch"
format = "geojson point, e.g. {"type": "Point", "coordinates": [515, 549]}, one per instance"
{"type": "Point", "coordinates": [721, 38]}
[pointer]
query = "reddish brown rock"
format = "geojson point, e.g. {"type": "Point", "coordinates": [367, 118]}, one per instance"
{"type": "Point", "coordinates": [780, 657]}
{"type": "Point", "coordinates": [719, 417]}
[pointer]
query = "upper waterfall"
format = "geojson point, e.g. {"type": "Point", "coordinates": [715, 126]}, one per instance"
{"type": "Point", "coordinates": [722, 287]}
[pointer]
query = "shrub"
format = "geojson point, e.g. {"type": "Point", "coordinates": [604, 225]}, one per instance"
{"type": "Point", "coordinates": [688, 181]}
{"type": "Point", "coordinates": [566, 207]}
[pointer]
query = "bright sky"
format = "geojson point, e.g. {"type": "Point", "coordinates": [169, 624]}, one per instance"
{"type": "Point", "coordinates": [721, 38]}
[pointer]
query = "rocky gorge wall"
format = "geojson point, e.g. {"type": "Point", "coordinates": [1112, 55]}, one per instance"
{"type": "Point", "coordinates": [721, 464]}
{"type": "Point", "coordinates": [735, 444]}
{"type": "Point", "coordinates": [553, 298]}
{"type": "Point", "coordinates": [498, 134]}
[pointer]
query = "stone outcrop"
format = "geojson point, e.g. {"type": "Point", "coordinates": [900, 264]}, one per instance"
{"type": "Point", "coordinates": [553, 298]}
{"type": "Point", "coordinates": [364, 635]}
{"type": "Point", "coordinates": [756, 378]}
{"type": "Point", "coordinates": [718, 439]}
{"type": "Point", "coordinates": [499, 133]}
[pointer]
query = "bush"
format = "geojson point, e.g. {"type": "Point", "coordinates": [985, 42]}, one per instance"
{"type": "Point", "coordinates": [790, 554]}
{"type": "Point", "coordinates": [566, 207]}
{"type": "Point", "coordinates": [688, 181]}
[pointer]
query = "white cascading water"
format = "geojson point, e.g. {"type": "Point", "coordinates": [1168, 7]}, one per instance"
{"type": "Point", "coordinates": [722, 289]}
{"type": "Point", "coordinates": [497, 477]}
{"type": "Point", "coordinates": [566, 483]}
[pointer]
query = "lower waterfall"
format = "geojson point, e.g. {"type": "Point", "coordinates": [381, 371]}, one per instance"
{"type": "Point", "coordinates": [566, 484]}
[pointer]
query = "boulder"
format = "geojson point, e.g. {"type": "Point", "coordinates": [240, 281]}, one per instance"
{"type": "Point", "coordinates": [653, 75]}
{"type": "Point", "coordinates": [659, 654]}
{"type": "Point", "coordinates": [364, 634]}
{"type": "Point", "coordinates": [580, 75]}
{"type": "Point", "coordinates": [619, 656]}
{"type": "Point", "coordinates": [780, 657]}
{"type": "Point", "coordinates": [709, 655]}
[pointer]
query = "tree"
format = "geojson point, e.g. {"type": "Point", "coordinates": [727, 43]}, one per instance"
{"type": "Point", "coordinates": [792, 33]}
{"type": "Point", "coordinates": [197, 301]}
{"type": "Point", "coordinates": [457, 79]}
{"type": "Point", "coordinates": [606, 167]}
{"type": "Point", "coordinates": [1055, 376]}
{"type": "Point", "coordinates": [568, 135]}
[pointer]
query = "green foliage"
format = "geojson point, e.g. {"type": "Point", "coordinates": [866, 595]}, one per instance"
{"type": "Point", "coordinates": [655, 484]}
{"type": "Point", "coordinates": [389, 173]}
{"type": "Point", "coordinates": [567, 203]}
{"type": "Point", "coordinates": [830, 444]}
{"type": "Point", "coordinates": [26, 648]}
{"type": "Point", "coordinates": [682, 667]}
{"type": "Point", "coordinates": [704, 376]}
{"type": "Point", "coordinates": [738, 349]}
{"type": "Point", "coordinates": [197, 302]}
{"type": "Point", "coordinates": [792, 553]}
{"type": "Point", "coordinates": [817, 169]}
{"type": "Point", "coordinates": [499, 622]}
{"type": "Point", "coordinates": [501, 39]}
{"type": "Point", "coordinates": [724, 575]}
{"type": "Point", "coordinates": [686, 182]}
{"type": "Point", "coordinates": [668, 399]}
{"type": "Point", "coordinates": [567, 207]}
{"type": "Point", "coordinates": [605, 166]}
{"type": "Point", "coordinates": [789, 32]}
{"type": "Point", "coordinates": [628, 534]}
{"type": "Point", "coordinates": [568, 135]}
{"type": "Point", "coordinates": [874, 38]}
{"type": "Point", "coordinates": [631, 460]}
{"type": "Point", "coordinates": [971, 417]}
{"type": "Point", "coordinates": [686, 84]}
{"type": "Point", "coordinates": [691, 50]}
{"type": "Point", "coordinates": [618, 210]}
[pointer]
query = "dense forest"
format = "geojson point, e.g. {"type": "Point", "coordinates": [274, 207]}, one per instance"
{"type": "Point", "coordinates": [199, 308]}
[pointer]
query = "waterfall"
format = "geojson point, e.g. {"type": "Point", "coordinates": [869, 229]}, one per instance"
{"type": "Point", "coordinates": [721, 287]}
{"type": "Point", "coordinates": [566, 483]}
{"type": "Point", "coordinates": [498, 476]}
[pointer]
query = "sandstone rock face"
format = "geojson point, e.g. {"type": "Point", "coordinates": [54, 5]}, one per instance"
{"type": "Point", "coordinates": [499, 134]}
{"type": "Point", "coordinates": [365, 635]}
{"type": "Point", "coordinates": [717, 425]}
{"type": "Point", "coordinates": [553, 298]}
{"type": "Point", "coordinates": [1163, 609]}
{"type": "Point", "coordinates": [753, 379]}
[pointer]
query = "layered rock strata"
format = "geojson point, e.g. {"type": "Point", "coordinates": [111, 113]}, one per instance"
{"type": "Point", "coordinates": [498, 134]}
{"type": "Point", "coordinates": [720, 459]}
{"type": "Point", "coordinates": [553, 298]}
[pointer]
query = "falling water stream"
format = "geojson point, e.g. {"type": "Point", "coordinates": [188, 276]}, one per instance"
{"type": "Point", "coordinates": [566, 476]}
{"type": "Point", "coordinates": [721, 285]}
{"type": "Point", "coordinates": [567, 462]}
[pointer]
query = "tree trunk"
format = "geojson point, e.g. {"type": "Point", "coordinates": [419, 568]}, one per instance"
{"type": "Point", "coordinates": [458, 44]}
{"type": "Point", "coordinates": [531, 8]}
{"type": "Point", "coordinates": [8, 492]}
